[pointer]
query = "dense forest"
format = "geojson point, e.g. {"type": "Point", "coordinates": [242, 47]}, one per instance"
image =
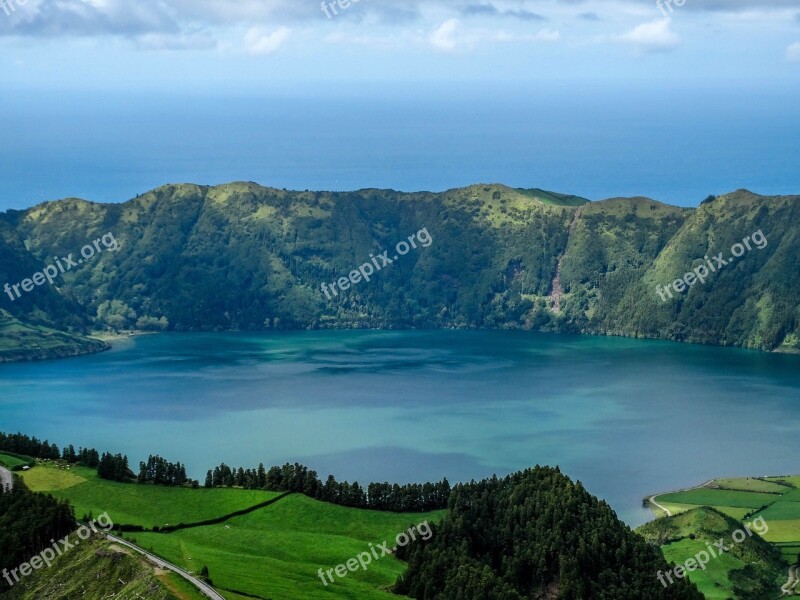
{"type": "Point", "coordinates": [534, 534]}
{"type": "Point", "coordinates": [411, 497]}
{"type": "Point", "coordinates": [28, 523]}
{"type": "Point", "coordinates": [245, 257]}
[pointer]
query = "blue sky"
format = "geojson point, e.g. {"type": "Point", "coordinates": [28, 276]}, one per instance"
{"type": "Point", "coordinates": [209, 46]}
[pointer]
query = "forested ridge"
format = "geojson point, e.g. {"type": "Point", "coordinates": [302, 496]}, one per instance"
{"type": "Point", "coordinates": [246, 257]}
{"type": "Point", "coordinates": [534, 534]}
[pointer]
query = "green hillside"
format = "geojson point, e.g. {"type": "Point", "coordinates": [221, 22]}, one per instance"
{"type": "Point", "coordinates": [750, 569]}
{"type": "Point", "coordinates": [535, 530]}
{"type": "Point", "coordinates": [273, 552]}
{"type": "Point", "coordinates": [140, 505]}
{"type": "Point", "coordinates": [98, 570]}
{"type": "Point", "coordinates": [277, 552]}
{"type": "Point", "coordinates": [25, 341]}
{"type": "Point", "coordinates": [246, 257]}
{"type": "Point", "coordinates": [775, 499]}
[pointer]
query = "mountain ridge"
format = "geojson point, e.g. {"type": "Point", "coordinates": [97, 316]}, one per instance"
{"type": "Point", "coordinates": [241, 256]}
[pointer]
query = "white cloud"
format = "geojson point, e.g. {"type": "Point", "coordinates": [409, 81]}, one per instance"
{"type": "Point", "coordinates": [182, 41]}
{"type": "Point", "coordinates": [259, 40]}
{"type": "Point", "coordinates": [545, 35]}
{"type": "Point", "coordinates": [793, 52]}
{"type": "Point", "coordinates": [444, 38]}
{"type": "Point", "coordinates": [654, 36]}
{"type": "Point", "coordinates": [452, 35]}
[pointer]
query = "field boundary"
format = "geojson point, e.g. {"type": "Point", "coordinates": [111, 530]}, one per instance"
{"type": "Point", "coordinates": [214, 521]}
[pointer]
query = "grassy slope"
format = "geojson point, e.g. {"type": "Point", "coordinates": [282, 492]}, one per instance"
{"type": "Point", "coordinates": [713, 497]}
{"type": "Point", "coordinates": [706, 526]}
{"type": "Point", "coordinates": [10, 462]}
{"type": "Point", "coordinates": [143, 505]}
{"type": "Point", "coordinates": [782, 512]}
{"type": "Point", "coordinates": [23, 341]}
{"type": "Point", "coordinates": [274, 552]}
{"type": "Point", "coordinates": [784, 519]}
{"type": "Point", "coordinates": [97, 571]}
{"type": "Point", "coordinates": [782, 515]}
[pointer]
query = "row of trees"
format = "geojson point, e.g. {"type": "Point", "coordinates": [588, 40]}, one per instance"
{"type": "Point", "coordinates": [412, 497]}
{"type": "Point", "coordinates": [160, 471]}
{"type": "Point", "coordinates": [29, 446]}
{"type": "Point", "coordinates": [114, 467]}
{"type": "Point", "coordinates": [88, 457]}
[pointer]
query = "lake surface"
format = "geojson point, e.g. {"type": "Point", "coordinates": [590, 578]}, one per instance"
{"type": "Point", "coordinates": [626, 417]}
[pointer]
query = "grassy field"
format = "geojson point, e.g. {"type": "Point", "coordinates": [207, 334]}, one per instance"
{"type": "Point", "coordinates": [20, 341]}
{"type": "Point", "coordinates": [273, 552]}
{"type": "Point", "coordinates": [738, 497]}
{"type": "Point", "coordinates": [751, 484]}
{"type": "Point", "coordinates": [276, 552]}
{"type": "Point", "coordinates": [750, 565]}
{"type": "Point", "coordinates": [10, 462]}
{"type": "Point", "coordinates": [144, 505]}
{"type": "Point", "coordinates": [714, 497]}
{"type": "Point", "coordinates": [714, 582]}
{"type": "Point", "coordinates": [47, 477]}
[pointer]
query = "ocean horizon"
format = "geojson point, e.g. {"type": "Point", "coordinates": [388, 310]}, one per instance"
{"type": "Point", "coordinates": [675, 145]}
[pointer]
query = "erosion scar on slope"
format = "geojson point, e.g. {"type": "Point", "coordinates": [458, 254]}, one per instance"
{"type": "Point", "coordinates": [558, 289]}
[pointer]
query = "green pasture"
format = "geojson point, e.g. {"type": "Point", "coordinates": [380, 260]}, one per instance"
{"type": "Point", "coordinates": [277, 551]}
{"type": "Point", "coordinates": [143, 505]}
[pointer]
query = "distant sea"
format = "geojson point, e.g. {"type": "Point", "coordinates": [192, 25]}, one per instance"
{"type": "Point", "coordinates": [674, 145]}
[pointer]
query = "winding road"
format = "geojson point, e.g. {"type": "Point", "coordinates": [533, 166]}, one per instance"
{"type": "Point", "coordinates": [652, 499]}
{"type": "Point", "coordinates": [206, 589]}
{"type": "Point", "coordinates": [6, 480]}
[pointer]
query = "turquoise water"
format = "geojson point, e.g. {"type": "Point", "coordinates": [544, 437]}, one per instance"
{"type": "Point", "coordinates": [626, 417]}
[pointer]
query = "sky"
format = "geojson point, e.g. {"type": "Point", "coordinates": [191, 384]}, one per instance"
{"type": "Point", "coordinates": [208, 46]}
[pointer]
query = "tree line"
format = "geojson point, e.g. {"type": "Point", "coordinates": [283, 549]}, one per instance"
{"type": "Point", "coordinates": [412, 497]}
{"type": "Point", "coordinates": [156, 470]}
{"type": "Point", "coordinates": [160, 471]}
